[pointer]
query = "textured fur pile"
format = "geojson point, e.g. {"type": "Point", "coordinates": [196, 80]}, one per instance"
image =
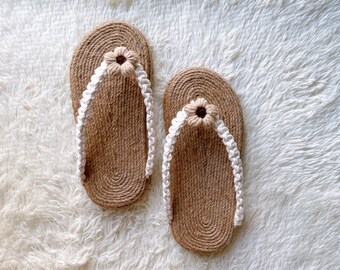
{"type": "Point", "coordinates": [282, 59]}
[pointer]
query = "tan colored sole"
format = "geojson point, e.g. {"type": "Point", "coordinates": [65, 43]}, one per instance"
{"type": "Point", "coordinates": [203, 196]}
{"type": "Point", "coordinates": [115, 133]}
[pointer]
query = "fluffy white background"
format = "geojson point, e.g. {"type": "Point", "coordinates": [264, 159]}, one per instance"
{"type": "Point", "coordinates": [282, 58]}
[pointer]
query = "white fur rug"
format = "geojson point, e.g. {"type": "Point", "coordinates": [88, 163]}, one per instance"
{"type": "Point", "coordinates": [283, 60]}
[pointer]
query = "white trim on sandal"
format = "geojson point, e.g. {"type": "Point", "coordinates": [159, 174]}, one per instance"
{"type": "Point", "coordinates": [127, 65]}
{"type": "Point", "coordinates": [188, 115]}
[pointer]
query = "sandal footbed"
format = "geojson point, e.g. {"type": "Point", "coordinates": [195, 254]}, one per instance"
{"type": "Point", "coordinates": [202, 188]}
{"type": "Point", "coordinates": [115, 131]}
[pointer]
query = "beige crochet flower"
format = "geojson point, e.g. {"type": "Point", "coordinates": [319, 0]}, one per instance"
{"type": "Point", "coordinates": [200, 112]}
{"type": "Point", "coordinates": [121, 61]}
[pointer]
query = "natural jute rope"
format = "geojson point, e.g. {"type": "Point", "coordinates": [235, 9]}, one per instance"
{"type": "Point", "coordinates": [205, 203]}
{"type": "Point", "coordinates": [116, 136]}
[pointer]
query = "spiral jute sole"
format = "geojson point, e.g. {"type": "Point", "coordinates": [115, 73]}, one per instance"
{"type": "Point", "coordinates": [115, 133]}
{"type": "Point", "coordinates": [202, 188]}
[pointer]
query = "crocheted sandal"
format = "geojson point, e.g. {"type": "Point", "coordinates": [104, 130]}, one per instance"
{"type": "Point", "coordinates": [113, 104]}
{"type": "Point", "coordinates": [202, 169]}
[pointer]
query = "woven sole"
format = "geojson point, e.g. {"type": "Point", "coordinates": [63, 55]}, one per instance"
{"type": "Point", "coordinates": [115, 133]}
{"type": "Point", "coordinates": [202, 188]}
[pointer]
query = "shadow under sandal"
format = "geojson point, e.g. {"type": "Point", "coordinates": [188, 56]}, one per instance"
{"type": "Point", "coordinates": [202, 169]}
{"type": "Point", "coordinates": [113, 105]}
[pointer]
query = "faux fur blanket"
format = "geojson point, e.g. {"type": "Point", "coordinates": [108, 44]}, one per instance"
{"type": "Point", "coordinates": [281, 57]}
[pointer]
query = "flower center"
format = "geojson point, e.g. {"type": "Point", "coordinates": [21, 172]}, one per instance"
{"type": "Point", "coordinates": [201, 112]}
{"type": "Point", "coordinates": [121, 59]}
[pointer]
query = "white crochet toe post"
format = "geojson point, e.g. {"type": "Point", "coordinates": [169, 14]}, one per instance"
{"type": "Point", "coordinates": [202, 168]}
{"type": "Point", "coordinates": [113, 105]}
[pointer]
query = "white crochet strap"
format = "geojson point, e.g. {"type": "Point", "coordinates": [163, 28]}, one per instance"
{"type": "Point", "coordinates": [88, 96]}
{"type": "Point", "coordinates": [177, 123]}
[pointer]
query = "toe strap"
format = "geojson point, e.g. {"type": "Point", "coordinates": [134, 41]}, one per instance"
{"type": "Point", "coordinates": [120, 62]}
{"type": "Point", "coordinates": [199, 112]}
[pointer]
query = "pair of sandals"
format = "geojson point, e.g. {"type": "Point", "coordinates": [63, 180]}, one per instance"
{"type": "Point", "coordinates": [114, 109]}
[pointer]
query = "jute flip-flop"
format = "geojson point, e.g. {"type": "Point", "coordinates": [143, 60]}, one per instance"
{"type": "Point", "coordinates": [113, 104]}
{"type": "Point", "coordinates": [202, 169]}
